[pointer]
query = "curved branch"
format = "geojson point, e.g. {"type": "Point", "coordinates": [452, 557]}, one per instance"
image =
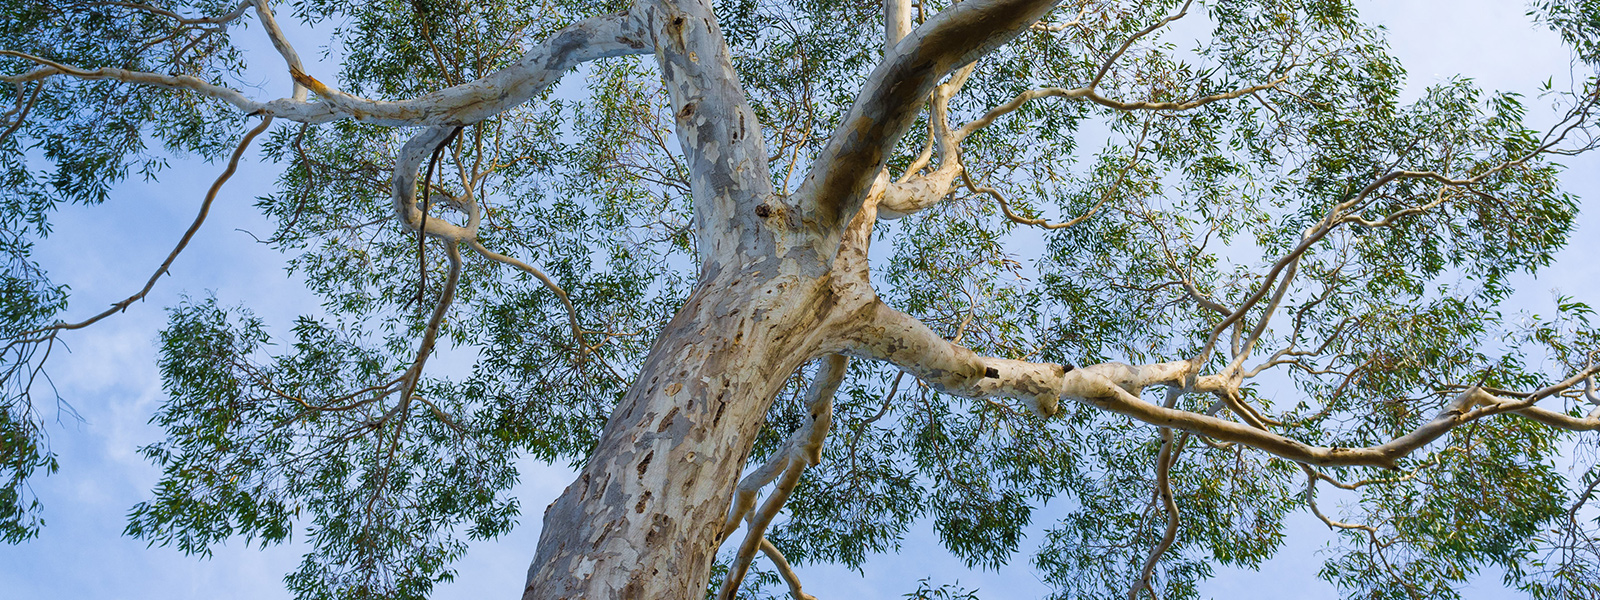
{"type": "Point", "coordinates": [784, 570]}
{"type": "Point", "coordinates": [1311, 501]}
{"type": "Point", "coordinates": [1105, 67]}
{"type": "Point", "coordinates": [431, 333]}
{"type": "Point", "coordinates": [892, 336]}
{"type": "Point", "coordinates": [294, 110]}
{"type": "Point", "coordinates": [805, 442]}
{"type": "Point", "coordinates": [1122, 176]}
{"type": "Point", "coordinates": [759, 521]}
{"type": "Point", "coordinates": [549, 284]}
{"type": "Point", "coordinates": [1005, 207]}
{"type": "Point", "coordinates": [1337, 216]}
{"type": "Point", "coordinates": [890, 100]}
{"type": "Point", "coordinates": [183, 242]}
{"type": "Point", "coordinates": [803, 449]}
{"type": "Point", "coordinates": [919, 192]}
{"type": "Point", "coordinates": [403, 190]}
{"type": "Point", "coordinates": [1060, 27]}
{"type": "Point", "coordinates": [1164, 461]}
{"type": "Point", "coordinates": [915, 191]}
{"type": "Point", "coordinates": [280, 42]}
{"type": "Point", "coordinates": [619, 34]}
{"type": "Point", "coordinates": [17, 116]}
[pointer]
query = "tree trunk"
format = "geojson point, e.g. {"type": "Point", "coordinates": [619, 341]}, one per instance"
{"type": "Point", "coordinates": [644, 516]}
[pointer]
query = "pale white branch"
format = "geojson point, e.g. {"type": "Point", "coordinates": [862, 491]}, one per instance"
{"type": "Point", "coordinates": [920, 191]}
{"type": "Point", "coordinates": [404, 189]}
{"type": "Point", "coordinates": [1059, 27]}
{"type": "Point", "coordinates": [604, 36]}
{"type": "Point", "coordinates": [1168, 455]}
{"type": "Point", "coordinates": [784, 570]}
{"type": "Point", "coordinates": [281, 43]}
{"type": "Point", "coordinates": [1311, 501]}
{"type": "Point", "coordinates": [896, 22]}
{"type": "Point", "coordinates": [889, 335]}
{"type": "Point", "coordinates": [891, 98]}
{"type": "Point", "coordinates": [803, 449]}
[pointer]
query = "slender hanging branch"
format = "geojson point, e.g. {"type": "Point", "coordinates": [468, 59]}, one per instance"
{"type": "Point", "coordinates": [422, 221]}
{"type": "Point", "coordinates": [183, 242]}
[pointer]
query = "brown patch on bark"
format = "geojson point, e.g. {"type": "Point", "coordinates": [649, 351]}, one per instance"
{"type": "Point", "coordinates": [660, 526]}
{"type": "Point", "coordinates": [667, 420]}
{"type": "Point", "coordinates": [603, 533]}
{"type": "Point", "coordinates": [634, 589]}
{"type": "Point", "coordinates": [643, 499]}
{"type": "Point", "coordinates": [674, 30]}
{"type": "Point", "coordinates": [644, 465]}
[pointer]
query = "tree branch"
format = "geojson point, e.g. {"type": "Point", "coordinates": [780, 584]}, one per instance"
{"type": "Point", "coordinates": [896, 22]}
{"type": "Point", "coordinates": [183, 242]}
{"type": "Point", "coordinates": [718, 131]}
{"type": "Point", "coordinates": [430, 333]}
{"type": "Point", "coordinates": [549, 284]}
{"type": "Point", "coordinates": [1164, 461]}
{"type": "Point", "coordinates": [784, 570]}
{"type": "Point", "coordinates": [604, 36]}
{"type": "Point", "coordinates": [803, 449]}
{"type": "Point", "coordinates": [890, 100]}
{"type": "Point", "coordinates": [915, 191]}
{"type": "Point", "coordinates": [1122, 175]}
{"type": "Point", "coordinates": [281, 43]}
{"type": "Point", "coordinates": [404, 189]}
{"type": "Point", "coordinates": [889, 335]}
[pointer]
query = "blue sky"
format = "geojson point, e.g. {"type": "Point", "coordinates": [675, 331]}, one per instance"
{"type": "Point", "coordinates": [106, 252]}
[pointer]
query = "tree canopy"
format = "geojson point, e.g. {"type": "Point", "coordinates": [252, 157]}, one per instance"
{"type": "Point", "coordinates": [1186, 267]}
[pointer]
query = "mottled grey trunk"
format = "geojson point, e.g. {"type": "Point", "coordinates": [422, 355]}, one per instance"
{"type": "Point", "coordinates": [643, 518]}
{"type": "Point", "coordinates": [777, 288]}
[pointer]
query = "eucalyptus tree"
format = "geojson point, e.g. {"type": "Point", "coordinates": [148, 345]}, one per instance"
{"type": "Point", "coordinates": [1182, 287]}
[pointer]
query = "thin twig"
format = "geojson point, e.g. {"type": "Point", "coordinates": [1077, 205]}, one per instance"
{"type": "Point", "coordinates": [199, 219]}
